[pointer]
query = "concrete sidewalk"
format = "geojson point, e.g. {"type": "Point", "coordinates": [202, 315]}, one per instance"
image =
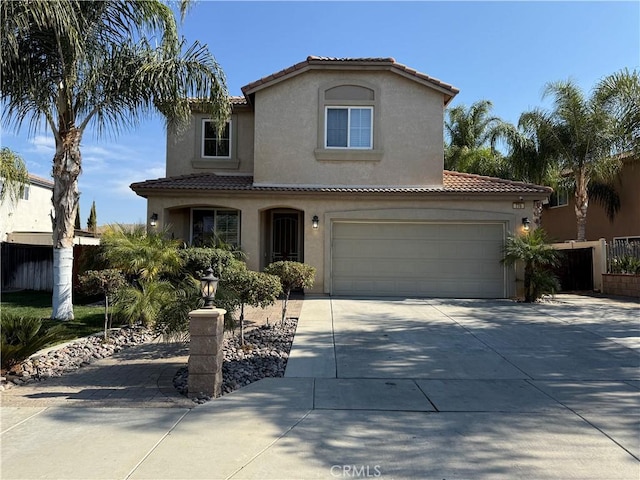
{"type": "Point", "coordinates": [382, 388]}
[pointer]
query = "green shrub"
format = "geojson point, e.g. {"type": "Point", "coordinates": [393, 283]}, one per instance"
{"type": "Point", "coordinates": [625, 264]}
{"type": "Point", "coordinates": [22, 336]}
{"type": "Point", "coordinates": [196, 260]}
{"type": "Point", "coordinates": [251, 288]}
{"type": "Point", "coordinates": [106, 283]}
{"type": "Point", "coordinates": [538, 257]}
{"type": "Point", "coordinates": [292, 275]}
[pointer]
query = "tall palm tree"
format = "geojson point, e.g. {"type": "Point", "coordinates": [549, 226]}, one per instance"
{"type": "Point", "coordinates": [532, 157]}
{"type": "Point", "coordinates": [470, 131]}
{"type": "Point", "coordinates": [619, 94]}
{"type": "Point", "coordinates": [71, 64]}
{"type": "Point", "coordinates": [584, 134]}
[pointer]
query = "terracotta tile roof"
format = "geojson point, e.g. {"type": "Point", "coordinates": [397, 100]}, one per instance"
{"type": "Point", "coordinates": [453, 183]}
{"type": "Point", "coordinates": [312, 61]}
{"type": "Point", "coordinates": [237, 100]}
{"type": "Point", "coordinates": [234, 100]}
{"type": "Point", "coordinates": [467, 182]}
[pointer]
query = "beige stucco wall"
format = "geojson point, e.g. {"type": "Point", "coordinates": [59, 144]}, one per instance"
{"type": "Point", "coordinates": [32, 215]}
{"type": "Point", "coordinates": [176, 210]}
{"type": "Point", "coordinates": [184, 151]}
{"type": "Point", "coordinates": [409, 122]}
{"type": "Point", "coordinates": [284, 135]}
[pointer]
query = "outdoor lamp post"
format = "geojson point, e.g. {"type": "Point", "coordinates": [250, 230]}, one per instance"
{"type": "Point", "coordinates": [206, 332]}
{"type": "Point", "coordinates": [208, 286]}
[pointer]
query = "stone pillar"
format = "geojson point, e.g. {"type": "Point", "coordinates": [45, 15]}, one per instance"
{"type": "Point", "coordinates": [206, 329]}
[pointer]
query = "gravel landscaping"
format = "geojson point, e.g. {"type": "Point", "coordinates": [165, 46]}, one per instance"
{"type": "Point", "coordinates": [58, 361]}
{"type": "Point", "coordinates": [264, 354]}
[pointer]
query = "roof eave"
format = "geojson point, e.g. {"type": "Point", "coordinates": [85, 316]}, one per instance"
{"type": "Point", "coordinates": [386, 64]}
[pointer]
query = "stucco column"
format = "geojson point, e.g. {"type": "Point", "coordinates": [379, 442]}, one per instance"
{"type": "Point", "coordinates": [206, 328]}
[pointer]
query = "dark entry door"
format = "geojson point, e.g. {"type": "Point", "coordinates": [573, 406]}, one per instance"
{"type": "Point", "coordinates": [575, 271]}
{"type": "Point", "coordinates": [285, 237]}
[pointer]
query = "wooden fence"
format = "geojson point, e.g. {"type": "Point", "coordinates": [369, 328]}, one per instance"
{"type": "Point", "coordinates": [30, 267]}
{"type": "Point", "coordinates": [27, 267]}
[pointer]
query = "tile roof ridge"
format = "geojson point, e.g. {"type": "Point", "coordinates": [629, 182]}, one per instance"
{"type": "Point", "coordinates": [316, 59]}
{"type": "Point", "coordinates": [311, 58]}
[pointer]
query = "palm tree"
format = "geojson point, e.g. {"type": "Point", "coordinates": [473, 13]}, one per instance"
{"type": "Point", "coordinates": [153, 266]}
{"type": "Point", "coordinates": [142, 255]}
{"type": "Point", "coordinates": [537, 256]}
{"type": "Point", "coordinates": [69, 64]}
{"type": "Point", "coordinates": [586, 135]}
{"type": "Point", "coordinates": [619, 94]}
{"type": "Point", "coordinates": [470, 132]}
{"type": "Point", "coordinates": [13, 175]}
{"type": "Point", "coordinates": [532, 157]}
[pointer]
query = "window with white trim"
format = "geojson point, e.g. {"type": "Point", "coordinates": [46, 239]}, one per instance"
{"type": "Point", "coordinates": [349, 127]}
{"type": "Point", "coordinates": [215, 227]}
{"type": "Point", "coordinates": [214, 145]}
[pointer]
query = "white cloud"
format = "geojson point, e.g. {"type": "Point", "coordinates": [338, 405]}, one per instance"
{"type": "Point", "coordinates": [42, 145]}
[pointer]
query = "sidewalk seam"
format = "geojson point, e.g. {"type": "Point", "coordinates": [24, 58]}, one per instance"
{"type": "Point", "coordinates": [21, 422]}
{"type": "Point", "coordinates": [135, 467]}
{"type": "Point", "coordinates": [233, 474]}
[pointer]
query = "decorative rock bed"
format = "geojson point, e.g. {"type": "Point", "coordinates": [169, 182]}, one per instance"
{"type": "Point", "coordinates": [264, 354]}
{"type": "Point", "coordinates": [74, 355]}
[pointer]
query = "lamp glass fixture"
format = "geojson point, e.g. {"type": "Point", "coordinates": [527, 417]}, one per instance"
{"type": "Point", "coordinates": [315, 221]}
{"type": "Point", "coordinates": [153, 221]}
{"type": "Point", "coordinates": [526, 224]}
{"type": "Point", "coordinates": [208, 287]}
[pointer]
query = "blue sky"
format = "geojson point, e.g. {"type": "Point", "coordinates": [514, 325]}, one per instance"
{"type": "Point", "coordinates": [504, 52]}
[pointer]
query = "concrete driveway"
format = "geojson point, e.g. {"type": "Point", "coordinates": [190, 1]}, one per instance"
{"type": "Point", "coordinates": [385, 388]}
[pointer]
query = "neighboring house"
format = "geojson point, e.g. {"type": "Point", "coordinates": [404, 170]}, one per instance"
{"type": "Point", "coordinates": [338, 163]}
{"type": "Point", "coordinates": [31, 213]}
{"type": "Point", "coordinates": [559, 216]}
{"type": "Point", "coordinates": [26, 238]}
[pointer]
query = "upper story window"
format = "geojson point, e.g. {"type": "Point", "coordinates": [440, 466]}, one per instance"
{"type": "Point", "coordinates": [214, 146]}
{"type": "Point", "coordinates": [348, 118]}
{"type": "Point", "coordinates": [349, 127]}
{"type": "Point", "coordinates": [559, 198]}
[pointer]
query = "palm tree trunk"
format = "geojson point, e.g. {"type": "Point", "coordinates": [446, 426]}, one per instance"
{"type": "Point", "coordinates": [66, 169]}
{"type": "Point", "coordinates": [581, 205]}
{"type": "Point", "coordinates": [528, 272]}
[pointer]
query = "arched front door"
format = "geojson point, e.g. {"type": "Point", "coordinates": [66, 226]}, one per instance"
{"type": "Point", "coordinates": [285, 235]}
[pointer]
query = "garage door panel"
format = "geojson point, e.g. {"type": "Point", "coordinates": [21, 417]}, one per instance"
{"type": "Point", "coordinates": [421, 259]}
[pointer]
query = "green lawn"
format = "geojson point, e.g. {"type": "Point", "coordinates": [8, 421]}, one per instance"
{"type": "Point", "coordinates": [28, 303]}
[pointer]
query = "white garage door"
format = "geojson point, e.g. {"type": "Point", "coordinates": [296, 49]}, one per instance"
{"type": "Point", "coordinates": [454, 260]}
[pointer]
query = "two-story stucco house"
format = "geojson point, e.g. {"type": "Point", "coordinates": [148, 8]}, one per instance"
{"type": "Point", "coordinates": [29, 214]}
{"type": "Point", "coordinates": [559, 216]}
{"type": "Point", "coordinates": [339, 163]}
